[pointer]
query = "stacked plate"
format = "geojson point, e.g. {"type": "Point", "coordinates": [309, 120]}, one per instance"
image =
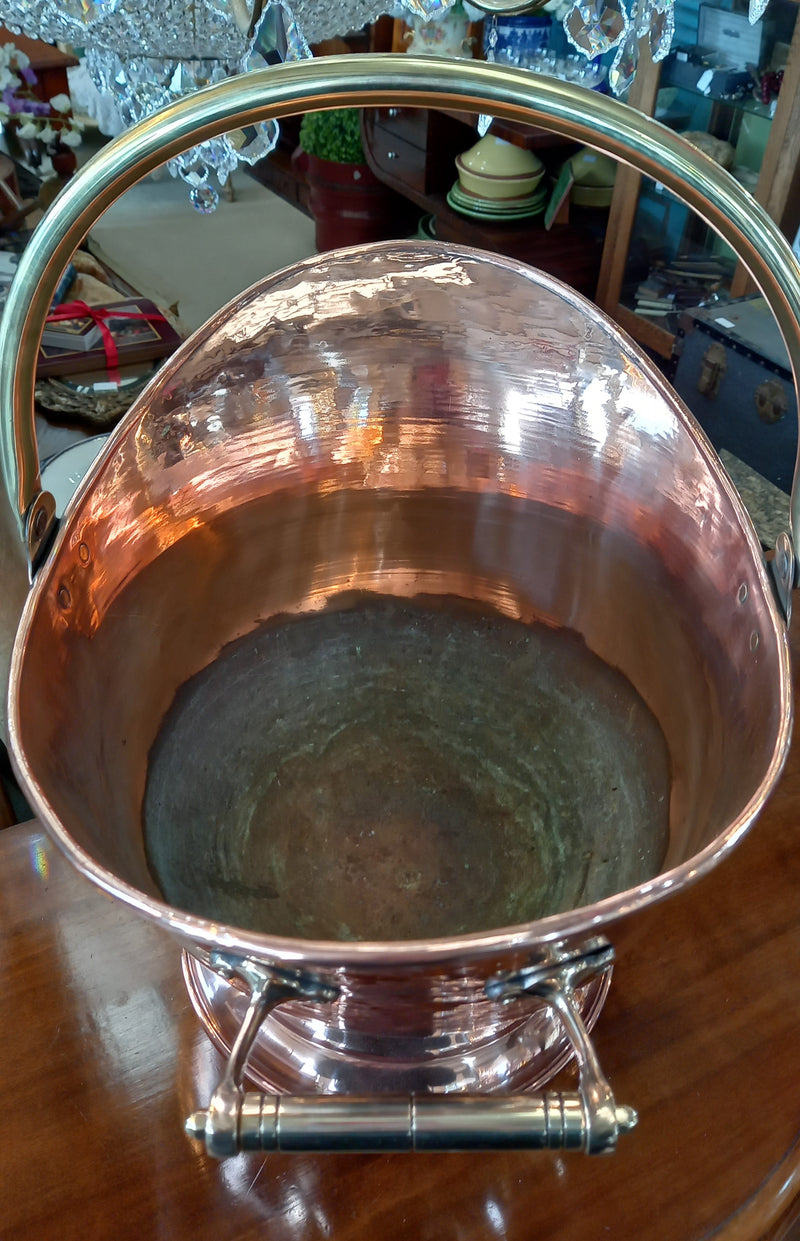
{"type": "Point", "coordinates": [498, 181]}
{"type": "Point", "coordinates": [497, 209]}
{"type": "Point", "coordinates": [426, 230]}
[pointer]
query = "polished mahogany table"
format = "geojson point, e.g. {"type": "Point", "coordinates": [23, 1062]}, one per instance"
{"type": "Point", "coordinates": [102, 1058]}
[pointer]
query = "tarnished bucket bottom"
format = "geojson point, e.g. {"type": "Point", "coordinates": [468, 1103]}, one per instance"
{"type": "Point", "coordinates": [404, 769]}
{"type": "Point", "coordinates": [398, 768]}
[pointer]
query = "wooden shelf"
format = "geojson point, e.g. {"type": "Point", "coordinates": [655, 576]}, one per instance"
{"type": "Point", "coordinates": [413, 151]}
{"type": "Point", "coordinates": [647, 333]}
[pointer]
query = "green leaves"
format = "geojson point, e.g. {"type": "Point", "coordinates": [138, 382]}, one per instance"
{"type": "Point", "coordinates": [334, 135]}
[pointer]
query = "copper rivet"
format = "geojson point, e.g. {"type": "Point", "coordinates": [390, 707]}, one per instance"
{"type": "Point", "coordinates": [753, 640]}
{"type": "Point", "coordinates": [84, 553]}
{"type": "Point", "coordinates": [742, 592]}
{"type": "Point", "coordinates": [64, 597]}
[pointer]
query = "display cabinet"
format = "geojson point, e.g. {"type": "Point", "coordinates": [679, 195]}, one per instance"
{"type": "Point", "coordinates": [659, 258]}
{"type": "Point", "coordinates": [610, 256]}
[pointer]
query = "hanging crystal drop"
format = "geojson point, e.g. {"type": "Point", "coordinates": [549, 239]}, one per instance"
{"type": "Point", "coordinates": [84, 10]}
{"type": "Point", "coordinates": [757, 10]}
{"type": "Point", "coordinates": [204, 198]}
{"type": "Point", "coordinates": [595, 26]}
{"type": "Point", "coordinates": [428, 10]}
{"type": "Point", "coordinates": [625, 64]}
{"type": "Point", "coordinates": [641, 16]}
{"type": "Point", "coordinates": [254, 144]}
{"type": "Point", "coordinates": [662, 28]}
{"type": "Point", "coordinates": [490, 43]}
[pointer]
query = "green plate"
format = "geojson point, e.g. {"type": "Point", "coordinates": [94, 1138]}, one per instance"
{"type": "Point", "coordinates": [525, 213]}
{"type": "Point", "coordinates": [486, 206]}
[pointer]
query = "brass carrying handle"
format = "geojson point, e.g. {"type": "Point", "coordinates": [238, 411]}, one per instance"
{"type": "Point", "coordinates": [369, 80]}
{"type": "Point", "coordinates": [587, 1119]}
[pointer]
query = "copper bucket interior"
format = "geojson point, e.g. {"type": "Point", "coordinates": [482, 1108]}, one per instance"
{"type": "Point", "coordinates": [406, 603]}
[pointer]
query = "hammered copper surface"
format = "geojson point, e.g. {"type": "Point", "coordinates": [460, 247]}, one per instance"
{"type": "Point", "coordinates": [408, 420]}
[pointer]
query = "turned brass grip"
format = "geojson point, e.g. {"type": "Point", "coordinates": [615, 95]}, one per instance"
{"type": "Point", "coordinates": [588, 1119]}
{"type": "Point", "coordinates": [464, 1122]}
{"type": "Point", "coordinates": [372, 80]}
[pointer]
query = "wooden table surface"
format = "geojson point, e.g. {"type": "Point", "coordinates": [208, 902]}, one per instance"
{"type": "Point", "coordinates": [102, 1059]}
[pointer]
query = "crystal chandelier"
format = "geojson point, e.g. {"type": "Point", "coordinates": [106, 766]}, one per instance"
{"type": "Point", "coordinates": [148, 58]}
{"type": "Point", "coordinates": [145, 61]}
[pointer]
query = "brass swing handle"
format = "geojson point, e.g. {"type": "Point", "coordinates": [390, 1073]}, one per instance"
{"type": "Point", "coordinates": [551, 1120]}
{"type": "Point", "coordinates": [372, 81]}
{"type": "Point", "coordinates": [587, 1119]}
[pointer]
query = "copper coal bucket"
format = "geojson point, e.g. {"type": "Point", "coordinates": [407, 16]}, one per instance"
{"type": "Point", "coordinates": [407, 634]}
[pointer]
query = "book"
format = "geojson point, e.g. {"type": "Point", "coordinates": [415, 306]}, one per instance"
{"type": "Point", "coordinates": [80, 333]}
{"type": "Point", "coordinates": [8, 269]}
{"type": "Point", "coordinates": [64, 285]}
{"type": "Point", "coordinates": [137, 339]}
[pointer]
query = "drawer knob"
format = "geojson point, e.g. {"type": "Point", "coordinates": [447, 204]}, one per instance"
{"type": "Point", "coordinates": [391, 154]}
{"type": "Point", "coordinates": [394, 112]}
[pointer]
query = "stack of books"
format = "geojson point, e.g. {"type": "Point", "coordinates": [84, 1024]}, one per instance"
{"type": "Point", "coordinates": [672, 288]}
{"type": "Point", "coordinates": [8, 268]}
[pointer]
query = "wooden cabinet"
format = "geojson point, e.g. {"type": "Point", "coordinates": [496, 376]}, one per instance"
{"type": "Point", "coordinates": [413, 150]}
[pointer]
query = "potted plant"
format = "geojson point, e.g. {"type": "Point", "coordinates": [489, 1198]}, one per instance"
{"type": "Point", "coordinates": [349, 204]}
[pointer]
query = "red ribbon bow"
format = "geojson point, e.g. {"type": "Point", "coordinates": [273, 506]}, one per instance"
{"type": "Point", "coordinates": [98, 315]}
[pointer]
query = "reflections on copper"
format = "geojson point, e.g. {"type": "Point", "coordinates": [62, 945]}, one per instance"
{"type": "Point", "coordinates": [410, 419]}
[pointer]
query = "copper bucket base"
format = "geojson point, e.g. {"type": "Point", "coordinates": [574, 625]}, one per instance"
{"type": "Point", "coordinates": [381, 1044]}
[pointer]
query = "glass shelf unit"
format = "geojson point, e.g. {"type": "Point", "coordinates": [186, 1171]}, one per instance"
{"type": "Point", "coordinates": [659, 257]}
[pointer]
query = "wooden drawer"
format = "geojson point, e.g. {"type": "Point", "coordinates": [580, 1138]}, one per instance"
{"type": "Point", "coordinates": [410, 124]}
{"type": "Point", "coordinates": [398, 160]}
{"type": "Point", "coordinates": [397, 154]}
